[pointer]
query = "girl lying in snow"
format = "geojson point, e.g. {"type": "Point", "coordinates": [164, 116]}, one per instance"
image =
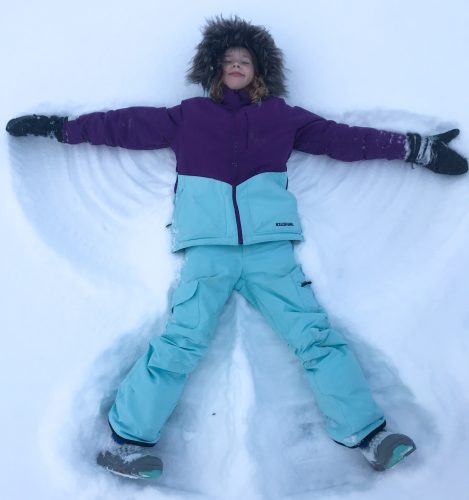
{"type": "Point", "coordinates": [236, 221]}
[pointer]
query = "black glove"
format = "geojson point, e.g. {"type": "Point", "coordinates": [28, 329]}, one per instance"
{"type": "Point", "coordinates": [45, 126]}
{"type": "Point", "coordinates": [434, 153]}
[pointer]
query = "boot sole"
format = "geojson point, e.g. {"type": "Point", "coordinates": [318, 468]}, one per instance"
{"type": "Point", "coordinates": [393, 450]}
{"type": "Point", "coordinates": [146, 467]}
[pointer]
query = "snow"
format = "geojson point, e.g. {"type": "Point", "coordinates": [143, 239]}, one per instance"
{"type": "Point", "coordinates": [86, 267]}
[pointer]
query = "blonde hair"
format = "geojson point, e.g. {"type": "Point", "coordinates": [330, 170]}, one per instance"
{"type": "Point", "coordinates": [257, 89]}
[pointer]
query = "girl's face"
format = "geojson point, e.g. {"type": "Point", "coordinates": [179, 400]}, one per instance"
{"type": "Point", "coordinates": [238, 68]}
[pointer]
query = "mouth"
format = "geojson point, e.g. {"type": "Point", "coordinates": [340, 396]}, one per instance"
{"type": "Point", "coordinates": [236, 74]}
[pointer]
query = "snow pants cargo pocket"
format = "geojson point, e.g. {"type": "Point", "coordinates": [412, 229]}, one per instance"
{"type": "Point", "coordinates": [306, 298]}
{"type": "Point", "coordinates": [185, 306]}
{"type": "Point", "coordinates": [180, 347]}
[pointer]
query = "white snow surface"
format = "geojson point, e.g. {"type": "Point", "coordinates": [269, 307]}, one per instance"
{"type": "Point", "coordinates": [86, 266]}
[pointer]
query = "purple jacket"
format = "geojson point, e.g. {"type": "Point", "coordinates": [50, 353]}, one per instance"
{"type": "Point", "coordinates": [233, 142]}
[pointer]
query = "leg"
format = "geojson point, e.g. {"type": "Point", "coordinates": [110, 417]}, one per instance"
{"type": "Point", "coordinates": [274, 283]}
{"type": "Point", "coordinates": [148, 395]}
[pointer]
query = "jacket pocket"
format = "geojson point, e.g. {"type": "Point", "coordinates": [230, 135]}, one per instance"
{"type": "Point", "coordinates": [272, 208]}
{"type": "Point", "coordinates": [200, 209]}
{"type": "Point", "coordinates": [185, 305]}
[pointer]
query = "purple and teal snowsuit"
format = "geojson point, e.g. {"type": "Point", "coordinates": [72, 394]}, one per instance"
{"type": "Point", "coordinates": [236, 220]}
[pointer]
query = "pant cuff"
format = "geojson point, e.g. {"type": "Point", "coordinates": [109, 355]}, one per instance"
{"type": "Point", "coordinates": [120, 440]}
{"type": "Point", "coordinates": [380, 428]}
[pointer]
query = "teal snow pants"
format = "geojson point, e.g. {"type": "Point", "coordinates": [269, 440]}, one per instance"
{"type": "Point", "coordinates": [267, 275]}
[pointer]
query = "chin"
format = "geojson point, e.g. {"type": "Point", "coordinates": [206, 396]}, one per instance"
{"type": "Point", "coordinates": [235, 86]}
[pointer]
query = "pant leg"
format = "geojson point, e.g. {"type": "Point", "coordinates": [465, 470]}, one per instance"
{"type": "Point", "coordinates": [274, 283]}
{"type": "Point", "coordinates": [149, 393]}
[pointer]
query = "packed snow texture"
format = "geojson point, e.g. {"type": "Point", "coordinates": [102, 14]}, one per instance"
{"type": "Point", "coordinates": [86, 267]}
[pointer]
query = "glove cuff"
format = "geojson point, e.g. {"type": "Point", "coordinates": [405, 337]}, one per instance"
{"type": "Point", "coordinates": [420, 149]}
{"type": "Point", "coordinates": [413, 143]}
{"type": "Point", "coordinates": [58, 126]}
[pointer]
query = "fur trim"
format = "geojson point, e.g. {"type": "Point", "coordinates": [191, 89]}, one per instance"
{"type": "Point", "coordinates": [220, 34]}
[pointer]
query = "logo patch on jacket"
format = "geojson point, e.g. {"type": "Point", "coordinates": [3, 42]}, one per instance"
{"type": "Point", "coordinates": [284, 224]}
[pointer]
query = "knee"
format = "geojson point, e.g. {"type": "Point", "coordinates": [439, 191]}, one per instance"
{"type": "Point", "coordinates": [321, 344]}
{"type": "Point", "coordinates": [177, 354]}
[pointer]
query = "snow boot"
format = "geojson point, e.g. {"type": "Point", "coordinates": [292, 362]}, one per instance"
{"type": "Point", "coordinates": [385, 449]}
{"type": "Point", "coordinates": [130, 461]}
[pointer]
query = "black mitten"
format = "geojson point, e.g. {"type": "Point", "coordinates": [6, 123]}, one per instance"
{"type": "Point", "coordinates": [434, 153]}
{"type": "Point", "coordinates": [45, 126]}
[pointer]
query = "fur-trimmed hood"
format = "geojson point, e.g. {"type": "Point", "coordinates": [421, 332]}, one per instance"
{"type": "Point", "coordinates": [220, 34]}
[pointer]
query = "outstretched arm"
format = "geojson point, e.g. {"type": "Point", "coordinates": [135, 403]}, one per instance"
{"type": "Point", "coordinates": [132, 128]}
{"type": "Point", "coordinates": [316, 135]}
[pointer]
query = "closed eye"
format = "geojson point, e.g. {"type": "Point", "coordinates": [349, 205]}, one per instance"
{"type": "Point", "coordinates": [242, 62]}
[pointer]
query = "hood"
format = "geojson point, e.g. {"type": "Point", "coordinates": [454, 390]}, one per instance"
{"type": "Point", "coordinates": [220, 34]}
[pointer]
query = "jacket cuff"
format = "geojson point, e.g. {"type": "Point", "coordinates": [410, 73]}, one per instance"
{"type": "Point", "coordinates": [71, 133]}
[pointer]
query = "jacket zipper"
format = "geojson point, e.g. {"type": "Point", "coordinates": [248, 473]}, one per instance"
{"type": "Point", "coordinates": [238, 220]}
{"type": "Point", "coordinates": [233, 191]}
